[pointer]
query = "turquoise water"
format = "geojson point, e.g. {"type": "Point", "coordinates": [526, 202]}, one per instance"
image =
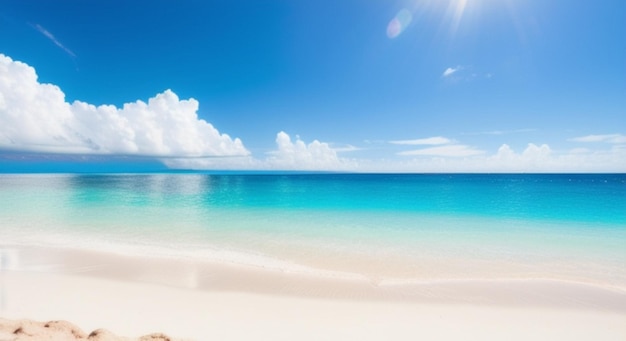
{"type": "Point", "coordinates": [409, 227]}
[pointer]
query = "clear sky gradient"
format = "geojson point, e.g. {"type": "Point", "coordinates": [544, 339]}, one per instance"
{"type": "Point", "coordinates": [351, 85]}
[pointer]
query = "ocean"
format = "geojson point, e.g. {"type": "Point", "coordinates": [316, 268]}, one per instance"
{"type": "Point", "coordinates": [384, 227]}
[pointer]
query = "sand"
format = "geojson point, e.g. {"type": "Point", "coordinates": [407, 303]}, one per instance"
{"type": "Point", "coordinates": [25, 330]}
{"type": "Point", "coordinates": [135, 296]}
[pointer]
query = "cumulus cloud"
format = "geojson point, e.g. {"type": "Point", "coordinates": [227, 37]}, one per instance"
{"type": "Point", "coordinates": [607, 138]}
{"type": "Point", "coordinates": [541, 158]}
{"type": "Point", "coordinates": [299, 155]}
{"type": "Point", "coordinates": [35, 117]}
{"type": "Point", "coordinates": [447, 155]}
{"type": "Point", "coordinates": [288, 155]}
{"type": "Point", "coordinates": [532, 159]}
{"type": "Point", "coordinates": [437, 140]}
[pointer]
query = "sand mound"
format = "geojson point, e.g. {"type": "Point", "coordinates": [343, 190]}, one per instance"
{"type": "Point", "coordinates": [27, 330]}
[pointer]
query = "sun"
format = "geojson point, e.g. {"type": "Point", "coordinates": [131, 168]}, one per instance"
{"type": "Point", "coordinates": [458, 13]}
{"type": "Point", "coordinates": [453, 14]}
{"type": "Point", "coordinates": [452, 11]}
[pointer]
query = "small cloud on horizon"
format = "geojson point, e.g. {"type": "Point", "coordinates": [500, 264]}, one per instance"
{"type": "Point", "coordinates": [345, 149]}
{"type": "Point", "coordinates": [299, 155]}
{"type": "Point", "coordinates": [502, 132]}
{"type": "Point", "coordinates": [436, 140]}
{"type": "Point", "coordinates": [454, 150]}
{"type": "Point", "coordinates": [606, 138]}
{"type": "Point", "coordinates": [443, 147]}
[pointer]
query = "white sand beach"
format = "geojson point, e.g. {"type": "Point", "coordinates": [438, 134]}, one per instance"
{"type": "Point", "coordinates": [132, 296]}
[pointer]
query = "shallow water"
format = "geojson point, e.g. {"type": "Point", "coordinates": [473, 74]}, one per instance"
{"type": "Point", "coordinates": [406, 227]}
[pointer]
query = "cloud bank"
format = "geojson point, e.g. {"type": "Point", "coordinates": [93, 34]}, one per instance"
{"type": "Point", "coordinates": [442, 154]}
{"type": "Point", "coordinates": [35, 117]}
{"type": "Point", "coordinates": [290, 155]}
{"type": "Point", "coordinates": [533, 159]}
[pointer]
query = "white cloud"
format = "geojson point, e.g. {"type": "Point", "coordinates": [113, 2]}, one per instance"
{"type": "Point", "coordinates": [580, 151]}
{"type": "Point", "coordinates": [216, 163]}
{"type": "Point", "coordinates": [455, 150]}
{"type": "Point", "coordinates": [534, 158]}
{"type": "Point", "coordinates": [346, 148]}
{"type": "Point", "coordinates": [445, 147]}
{"type": "Point", "coordinates": [450, 71]}
{"type": "Point", "coordinates": [465, 73]}
{"type": "Point", "coordinates": [299, 155]}
{"type": "Point", "coordinates": [448, 155]}
{"type": "Point", "coordinates": [288, 155]}
{"type": "Point", "coordinates": [543, 159]}
{"type": "Point", "coordinates": [502, 132]}
{"type": "Point", "coordinates": [53, 39]}
{"type": "Point", "coordinates": [608, 138]}
{"type": "Point", "coordinates": [451, 157]}
{"type": "Point", "coordinates": [437, 140]}
{"type": "Point", "coordinates": [35, 117]}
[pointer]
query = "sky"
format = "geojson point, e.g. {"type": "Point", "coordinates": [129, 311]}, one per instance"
{"type": "Point", "coordinates": [348, 85]}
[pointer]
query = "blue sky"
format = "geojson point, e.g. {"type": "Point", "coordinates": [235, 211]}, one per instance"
{"type": "Point", "coordinates": [430, 85]}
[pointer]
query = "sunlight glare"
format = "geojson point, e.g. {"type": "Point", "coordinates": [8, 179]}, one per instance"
{"type": "Point", "coordinates": [458, 8]}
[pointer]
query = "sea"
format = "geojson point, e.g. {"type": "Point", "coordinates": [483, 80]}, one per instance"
{"type": "Point", "coordinates": [384, 227]}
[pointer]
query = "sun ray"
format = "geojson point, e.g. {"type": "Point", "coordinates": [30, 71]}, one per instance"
{"type": "Point", "coordinates": [458, 7]}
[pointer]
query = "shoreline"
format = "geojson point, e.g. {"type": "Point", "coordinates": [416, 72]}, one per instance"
{"type": "Point", "coordinates": [192, 300]}
{"type": "Point", "coordinates": [219, 276]}
{"type": "Point", "coordinates": [133, 309]}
